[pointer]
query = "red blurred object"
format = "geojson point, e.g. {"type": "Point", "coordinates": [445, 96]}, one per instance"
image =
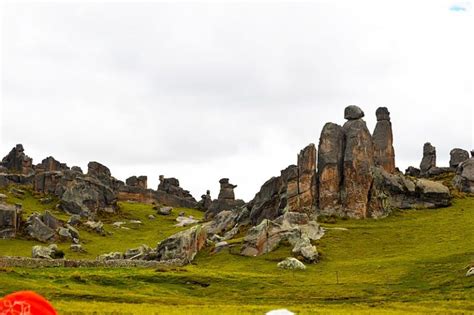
{"type": "Point", "coordinates": [25, 303]}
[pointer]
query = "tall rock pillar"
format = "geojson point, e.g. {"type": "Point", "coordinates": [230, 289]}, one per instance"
{"type": "Point", "coordinates": [384, 154]}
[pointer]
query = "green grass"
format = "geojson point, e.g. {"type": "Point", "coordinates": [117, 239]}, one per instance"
{"type": "Point", "coordinates": [411, 262]}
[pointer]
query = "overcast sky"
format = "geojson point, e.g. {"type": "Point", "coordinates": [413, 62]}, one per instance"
{"type": "Point", "coordinates": [205, 91]}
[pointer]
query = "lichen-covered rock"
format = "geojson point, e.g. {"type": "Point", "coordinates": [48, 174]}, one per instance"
{"type": "Point", "coordinates": [182, 246]}
{"type": "Point", "coordinates": [46, 252]}
{"type": "Point", "coordinates": [140, 252]}
{"type": "Point", "coordinates": [429, 158]}
{"type": "Point", "coordinates": [357, 168]}
{"type": "Point", "coordinates": [464, 179]}
{"type": "Point", "coordinates": [384, 154]}
{"type": "Point", "coordinates": [110, 256]}
{"type": "Point", "coordinates": [38, 230]}
{"type": "Point", "coordinates": [330, 163]}
{"type": "Point", "coordinates": [291, 263]}
{"type": "Point", "coordinates": [353, 112]}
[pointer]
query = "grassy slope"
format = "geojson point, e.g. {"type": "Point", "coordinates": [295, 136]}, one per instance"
{"type": "Point", "coordinates": [413, 261]}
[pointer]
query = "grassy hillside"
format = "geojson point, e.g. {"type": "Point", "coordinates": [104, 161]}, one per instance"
{"type": "Point", "coordinates": [411, 262]}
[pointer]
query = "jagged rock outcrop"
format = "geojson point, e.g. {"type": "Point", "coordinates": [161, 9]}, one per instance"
{"type": "Point", "coordinates": [293, 227]}
{"type": "Point", "coordinates": [353, 112]}
{"type": "Point", "coordinates": [17, 161]}
{"type": "Point", "coordinates": [10, 220]}
{"type": "Point", "coordinates": [395, 191]}
{"type": "Point", "coordinates": [330, 165]}
{"type": "Point", "coordinates": [358, 163]}
{"type": "Point", "coordinates": [225, 200]}
{"type": "Point", "coordinates": [384, 154]}
{"type": "Point", "coordinates": [429, 158]}
{"type": "Point", "coordinates": [205, 203]}
{"type": "Point", "coordinates": [413, 171]}
{"type": "Point", "coordinates": [140, 181]}
{"type": "Point", "coordinates": [464, 179]}
{"type": "Point", "coordinates": [50, 164]}
{"type": "Point", "coordinates": [457, 156]}
{"type": "Point", "coordinates": [307, 188]}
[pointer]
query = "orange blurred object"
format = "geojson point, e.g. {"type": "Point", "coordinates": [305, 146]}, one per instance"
{"type": "Point", "coordinates": [25, 303]}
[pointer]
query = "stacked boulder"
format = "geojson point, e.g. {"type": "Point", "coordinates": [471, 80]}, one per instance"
{"type": "Point", "coordinates": [225, 200]}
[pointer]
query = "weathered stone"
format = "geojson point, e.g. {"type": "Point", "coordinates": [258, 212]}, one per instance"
{"type": "Point", "coordinates": [36, 229]}
{"type": "Point", "coordinates": [227, 190]}
{"type": "Point", "coordinates": [171, 194]}
{"type": "Point", "coordinates": [384, 154]}
{"type": "Point", "coordinates": [75, 219]}
{"type": "Point", "coordinates": [205, 203]}
{"type": "Point", "coordinates": [185, 221]}
{"type": "Point", "coordinates": [77, 248]}
{"type": "Point", "coordinates": [457, 156]}
{"type": "Point", "coordinates": [64, 234]}
{"type": "Point", "coordinates": [17, 161]}
{"type": "Point", "coordinates": [110, 256]}
{"type": "Point", "coordinates": [46, 252]}
{"type": "Point", "coordinates": [464, 179]}
{"type": "Point", "coordinates": [50, 164]}
{"type": "Point", "coordinates": [306, 179]}
{"type": "Point", "coordinates": [137, 253]}
{"type": "Point", "coordinates": [140, 181]}
{"type": "Point", "coordinates": [51, 221]}
{"type": "Point", "coordinates": [330, 163]}
{"type": "Point", "coordinates": [306, 250]}
{"type": "Point", "coordinates": [10, 218]}
{"type": "Point", "coordinates": [182, 246]}
{"type": "Point", "coordinates": [73, 231]}
{"type": "Point", "coordinates": [95, 226]}
{"type": "Point", "coordinates": [291, 263]}
{"type": "Point", "coordinates": [413, 171]}
{"type": "Point", "coordinates": [358, 162]}
{"type": "Point", "coordinates": [165, 210]}
{"type": "Point", "coordinates": [429, 158]}
{"type": "Point", "coordinates": [353, 112]}
{"type": "Point", "coordinates": [470, 272]}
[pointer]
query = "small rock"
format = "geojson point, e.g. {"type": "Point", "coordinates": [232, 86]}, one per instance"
{"type": "Point", "coordinates": [137, 253]}
{"type": "Point", "coordinates": [135, 222]}
{"type": "Point", "coordinates": [75, 219]}
{"type": "Point", "coordinates": [46, 252]}
{"type": "Point", "coordinates": [151, 217]}
{"type": "Point", "coordinates": [73, 231]}
{"type": "Point", "coordinates": [3, 197]}
{"type": "Point", "coordinates": [45, 200]}
{"type": "Point", "coordinates": [353, 112]}
{"type": "Point", "coordinates": [280, 312]}
{"type": "Point", "coordinates": [181, 214]}
{"type": "Point", "coordinates": [64, 234]}
{"type": "Point", "coordinates": [95, 226]}
{"type": "Point", "coordinates": [18, 192]}
{"type": "Point", "coordinates": [118, 224]}
{"type": "Point", "coordinates": [165, 210]}
{"type": "Point", "coordinates": [111, 256]}
{"type": "Point", "coordinates": [184, 221]}
{"type": "Point", "coordinates": [77, 248]}
{"type": "Point", "coordinates": [291, 263]}
{"type": "Point", "coordinates": [470, 272]}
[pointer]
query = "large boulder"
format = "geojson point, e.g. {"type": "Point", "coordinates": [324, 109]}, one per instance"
{"type": "Point", "coordinates": [182, 247]}
{"type": "Point", "coordinates": [46, 252]}
{"type": "Point", "coordinates": [358, 163]}
{"type": "Point", "coordinates": [457, 156]}
{"type": "Point", "coordinates": [353, 112]}
{"type": "Point", "coordinates": [330, 163]}
{"type": "Point", "coordinates": [291, 263]}
{"type": "Point", "coordinates": [140, 181]}
{"type": "Point", "coordinates": [464, 179]}
{"type": "Point", "coordinates": [384, 154]}
{"type": "Point", "coordinates": [429, 158]}
{"type": "Point", "coordinates": [38, 230]}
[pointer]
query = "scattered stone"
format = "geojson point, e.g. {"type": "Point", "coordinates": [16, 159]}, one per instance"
{"type": "Point", "coordinates": [111, 256]}
{"type": "Point", "coordinates": [77, 248]}
{"type": "Point", "coordinates": [165, 210]}
{"type": "Point", "coordinates": [64, 234]}
{"type": "Point", "coordinates": [291, 263]}
{"type": "Point", "coordinates": [36, 229]}
{"type": "Point", "coordinates": [95, 226]}
{"type": "Point", "coordinates": [181, 214]}
{"type": "Point", "coordinates": [51, 221]}
{"type": "Point", "coordinates": [135, 222]}
{"type": "Point", "coordinates": [413, 171]}
{"type": "Point", "coordinates": [429, 158]}
{"type": "Point", "coordinates": [3, 197]}
{"type": "Point", "coordinates": [457, 156]}
{"type": "Point", "coordinates": [47, 252]}
{"type": "Point", "coordinates": [470, 272]}
{"type": "Point", "coordinates": [137, 253]}
{"type": "Point", "coordinates": [185, 221]}
{"type": "Point", "coordinates": [74, 220]}
{"type": "Point", "coordinates": [73, 231]}
{"type": "Point", "coordinates": [46, 200]}
{"type": "Point", "coordinates": [151, 217]}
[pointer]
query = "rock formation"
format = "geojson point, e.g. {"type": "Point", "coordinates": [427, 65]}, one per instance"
{"type": "Point", "coordinates": [10, 219]}
{"type": "Point", "coordinates": [205, 203]}
{"type": "Point", "coordinates": [357, 167]}
{"type": "Point", "coordinates": [50, 164]}
{"type": "Point", "coordinates": [307, 194]}
{"type": "Point", "coordinates": [330, 163]}
{"type": "Point", "coordinates": [17, 161]}
{"type": "Point", "coordinates": [225, 200]}
{"type": "Point", "coordinates": [457, 156]}
{"type": "Point", "coordinates": [429, 158]}
{"type": "Point", "coordinates": [140, 181]}
{"type": "Point", "coordinates": [384, 154]}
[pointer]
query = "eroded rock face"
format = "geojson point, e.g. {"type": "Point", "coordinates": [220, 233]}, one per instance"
{"type": "Point", "coordinates": [205, 203]}
{"type": "Point", "coordinates": [384, 154]}
{"type": "Point", "coordinates": [457, 156]}
{"type": "Point", "coordinates": [464, 179]}
{"type": "Point", "coordinates": [307, 192]}
{"type": "Point", "coordinates": [227, 190]}
{"type": "Point", "coordinates": [429, 158]}
{"type": "Point", "coordinates": [357, 167]}
{"type": "Point", "coordinates": [50, 164]}
{"type": "Point", "coordinates": [17, 161]}
{"type": "Point", "coordinates": [330, 163]}
{"type": "Point", "coordinates": [225, 201]}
